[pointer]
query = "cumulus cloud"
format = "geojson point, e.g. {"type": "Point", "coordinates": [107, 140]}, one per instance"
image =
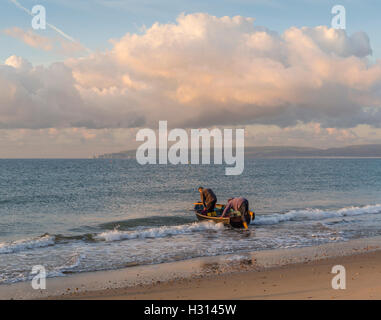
{"type": "Point", "coordinates": [199, 72]}
{"type": "Point", "coordinates": [18, 63]}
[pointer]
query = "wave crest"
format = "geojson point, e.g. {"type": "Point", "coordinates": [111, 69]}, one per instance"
{"type": "Point", "coordinates": [315, 214]}
{"type": "Point", "coordinates": [24, 244]}
{"type": "Point", "coordinates": [159, 232]}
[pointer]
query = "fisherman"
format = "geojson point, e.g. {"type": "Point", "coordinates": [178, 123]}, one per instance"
{"type": "Point", "coordinates": [238, 204]}
{"type": "Point", "coordinates": [208, 199]}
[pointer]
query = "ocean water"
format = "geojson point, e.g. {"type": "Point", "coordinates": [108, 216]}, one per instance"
{"type": "Point", "coordinates": [86, 215]}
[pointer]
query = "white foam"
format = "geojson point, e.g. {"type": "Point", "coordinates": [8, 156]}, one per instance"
{"type": "Point", "coordinates": [25, 244]}
{"type": "Point", "coordinates": [159, 232]}
{"type": "Point", "coordinates": [73, 262]}
{"type": "Point", "coordinates": [315, 214]}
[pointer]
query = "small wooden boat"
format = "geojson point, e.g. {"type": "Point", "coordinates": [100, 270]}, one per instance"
{"type": "Point", "coordinates": [234, 220]}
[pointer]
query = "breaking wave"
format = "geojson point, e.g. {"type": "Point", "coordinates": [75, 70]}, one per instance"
{"type": "Point", "coordinates": [173, 230]}
{"type": "Point", "coordinates": [24, 244]}
{"type": "Point", "coordinates": [315, 214]}
{"type": "Point", "coordinates": [159, 232]}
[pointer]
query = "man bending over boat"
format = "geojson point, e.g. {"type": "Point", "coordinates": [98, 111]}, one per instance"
{"type": "Point", "coordinates": [238, 204]}
{"type": "Point", "coordinates": [208, 199]}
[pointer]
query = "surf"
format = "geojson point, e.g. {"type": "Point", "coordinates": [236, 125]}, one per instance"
{"type": "Point", "coordinates": [315, 214]}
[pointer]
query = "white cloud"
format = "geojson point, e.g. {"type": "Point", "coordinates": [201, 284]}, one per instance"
{"type": "Point", "coordinates": [18, 63]}
{"type": "Point", "coordinates": [202, 71]}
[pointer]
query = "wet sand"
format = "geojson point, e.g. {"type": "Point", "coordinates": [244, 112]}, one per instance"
{"type": "Point", "coordinates": [299, 273]}
{"type": "Point", "coordinates": [310, 280]}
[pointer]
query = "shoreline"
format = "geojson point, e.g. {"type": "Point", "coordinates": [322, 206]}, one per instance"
{"type": "Point", "coordinates": [301, 281]}
{"type": "Point", "coordinates": [208, 277]}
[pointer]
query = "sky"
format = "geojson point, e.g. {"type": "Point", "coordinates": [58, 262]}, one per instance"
{"type": "Point", "coordinates": [103, 69]}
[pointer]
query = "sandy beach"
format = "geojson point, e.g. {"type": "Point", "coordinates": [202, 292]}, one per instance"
{"type": "Point", "coordinates": [298, 273]}
{"type": "Point", "coordinates": [299, 281]}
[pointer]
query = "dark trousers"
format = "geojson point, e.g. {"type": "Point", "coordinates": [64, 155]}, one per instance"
{"type": "Point", "coordinates": [244, 209]}
{"type": "Point", "coordinates": [210, 206]}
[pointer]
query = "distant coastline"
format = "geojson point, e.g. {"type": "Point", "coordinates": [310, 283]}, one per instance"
{"type": "Point", "coordinates": [353, 151]}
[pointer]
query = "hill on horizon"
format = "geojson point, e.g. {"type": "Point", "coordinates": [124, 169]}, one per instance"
{"type": "Point", "coordinates": [367, 150]}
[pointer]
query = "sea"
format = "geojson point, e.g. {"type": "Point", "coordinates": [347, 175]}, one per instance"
{"type": "Point", "coordinates": [84, 215]}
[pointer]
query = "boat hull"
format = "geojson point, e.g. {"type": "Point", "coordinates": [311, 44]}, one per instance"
{"type": "Point", "coordinates": [235, 222]}
{"type": "Point", "coordinates": [201, 217]}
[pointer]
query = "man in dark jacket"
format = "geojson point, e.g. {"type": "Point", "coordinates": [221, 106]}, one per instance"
{"type": "Point", "coordinates": [208, 199]}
